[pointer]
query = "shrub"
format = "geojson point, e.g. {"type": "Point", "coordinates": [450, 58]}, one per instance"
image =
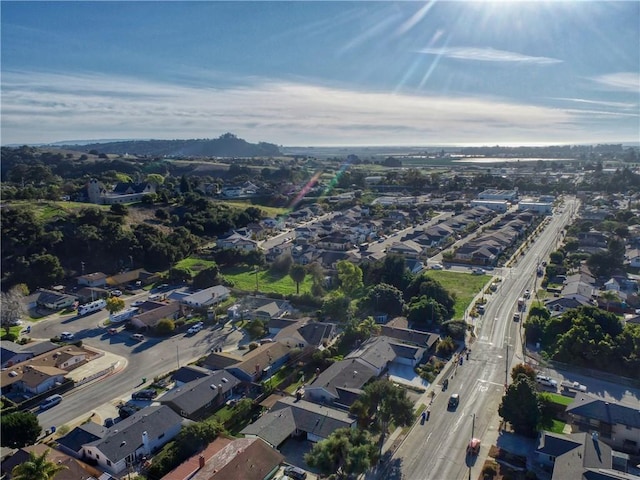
{"type": "Point", "coordinates": [165, 326]}
{"type": "Point", "coordinates": [489, 471]}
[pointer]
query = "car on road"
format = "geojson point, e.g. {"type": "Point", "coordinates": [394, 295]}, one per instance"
{"type": "Point", "coordinates": [137, 303]}
{"type": "Point", "coordinates": [454, 401]}
{"type": "Point", "coordinates": [478, 271]}
{"type": "Point", "coordinates": [162, 287]}
{"type": "Point", "coordinates": [116, 293]}
{"type": "Point", "coordinates": [66, 336]}
{"type": "Point", "coordinates": [546, 381]}
{"type": "Point", "coordinates": [516, 317]}
{"type": "Point", "coordinates": [146, 394]}
{"type": "Point", "coordinates": [527, 293]}
{"type": "Point", "coordinates": [195, 328]}
{"type": "Point", "coordinates": [437, 266]}
{"type": "Point", "coordinates": [138, 337]}
{"type": "Point", "coordinates": [51, 401]}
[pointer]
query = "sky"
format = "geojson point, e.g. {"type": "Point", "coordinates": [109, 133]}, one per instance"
{"type": "Point", "coordinates": [322, 73]}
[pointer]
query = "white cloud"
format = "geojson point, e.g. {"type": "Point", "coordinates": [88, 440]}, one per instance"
{"type": "Point", "coordinates": [39, 107]}
{"type": "Point", "coordinates": [488, 55]}
{"type": "Point", "coordinates": [625, 81]}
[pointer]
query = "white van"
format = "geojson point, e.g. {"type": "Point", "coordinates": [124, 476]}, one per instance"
{"type": "Point", "coordinates": [51, 401]}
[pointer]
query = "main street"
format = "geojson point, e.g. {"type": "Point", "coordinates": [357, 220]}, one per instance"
{"type": "Point", "coordinates": [148, 359]}
{"type": "Point", "coordinates": [437, 449]}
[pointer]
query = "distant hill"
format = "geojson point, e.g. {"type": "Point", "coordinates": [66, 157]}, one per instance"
{"type": "Point", "coordinates": [227, 145]}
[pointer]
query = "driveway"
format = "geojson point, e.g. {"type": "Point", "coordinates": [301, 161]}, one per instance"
{"type": "Point", "coordinates": [404, 374]}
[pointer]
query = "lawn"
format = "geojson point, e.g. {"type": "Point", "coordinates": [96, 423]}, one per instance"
{"type": "Point", "coordinates": [463, 285]}
{"type": "Point", "coordinates": [557, 427]}
{"type": "Point", "coordinates": [245, 278]}
{"type": "Point", "coordinates": [195, 264]}
{"type": "Point", "coordinates": [270, 211]}
{"type": "Point", "coordinates": [561, 399]}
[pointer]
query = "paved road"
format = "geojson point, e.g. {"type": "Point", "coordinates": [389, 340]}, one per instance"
{"type": "Point", "coordinates": [153, 357]}
{"type": "Point", "coordinates": [437, 450]}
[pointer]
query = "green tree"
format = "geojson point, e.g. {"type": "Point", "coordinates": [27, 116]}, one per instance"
{"type": "Point", "coordinates": [256, 329]}
{"type": "Point", "coordinates": [523, 369]}
{"type": "Point", "coordinates": [155, 179]}
{"type": "Point", "coordinates": [350, 276]}
{"type": "Point", "coordinates": [19, 429]}
{"type": "Point", "coordinates": [119, 209]}
{"type": "Point", "coordinates": [382, 402]}
{"type": "Point", "coordinates": [336, 307]}
{"type": "Point", "coordinates": [297, 273]}
{"type": "Point", "coordinates": [44, 270]}
{"type": "Point", "coordinates": [609, 296]}
{"type": "Point", "coordinates": [37, 467]}
{"type": "Point", "coordinates": [114, 304]}
{"type": "Point", "coordinates": [520, 406]}
{"type": "Point", "coordinates": [207, 277]}
{"type": "Point", "coordinates": [345, 452]}
{"type": "Point", "coordinates": [11, 307]}
{"type": "Point", "coordinates": [179, 274]}
{"type": "Point", "coordinates": [165, 326]}
{"type": "Point", "coordinates": [385, 298]}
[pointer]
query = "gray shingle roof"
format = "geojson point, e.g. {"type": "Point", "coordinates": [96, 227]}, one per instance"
{"type": "Point", "coordinates": [81, 435]}
{"type": "Point", "coordinates": [349, 373]}
{"type": "Point", "coordinates": [609, 412]}
{"type": "Point", "coordinates": [125, 437]}
{"type": "Point", "coordinates": [289, 415]}
{"type": "Point", "coordinates": [194, 395]}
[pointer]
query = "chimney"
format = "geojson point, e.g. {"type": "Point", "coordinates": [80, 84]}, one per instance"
{"type": "Point", "coordinates": [145, 442]}
{"type": "Point", "coordinates": [201, 461]}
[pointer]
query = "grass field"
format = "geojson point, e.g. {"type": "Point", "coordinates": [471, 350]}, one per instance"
{"type": "Point", "coordinates": [270, 211]}
{"type": "Point", "coordinates": [561, 399]}
{"type": "Point", "coordinates": [244, 278]}
{"type": "Point", "coordinates": [463, 285]}
{"type": "Point", "coordinates": [557, 427]}
{"type": "Point", "coordinates": [195, 264]}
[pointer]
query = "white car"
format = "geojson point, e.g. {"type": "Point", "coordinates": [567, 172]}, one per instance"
{"type": "Point", "coordinates": [436, 266]}
{"type": "Point", "coordinates": [527, 293]}
{"type": "Point", "coordinates": [196, 328]}
{"type": "Point", "coordinates": [137, 303]}
{"type": "Point", "coordinates": [546, 381]}
{"type": "Point", "coordinates": [66, 336]}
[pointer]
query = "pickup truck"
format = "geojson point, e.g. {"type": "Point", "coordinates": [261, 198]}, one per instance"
{"type": "Point", "coordinates": [570, 389]}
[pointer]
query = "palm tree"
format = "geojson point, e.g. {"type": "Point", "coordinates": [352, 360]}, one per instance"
{"type": "Point", "coordinates": [36, 468]}
{"type": "Point", "coordinates": [610, 296]}
{"type": "Point", "coordinates": [297, 273]}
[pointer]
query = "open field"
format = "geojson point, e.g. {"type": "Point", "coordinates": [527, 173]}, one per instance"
{"type": "Point", "coordinates": [195, 264]}
{"type": "Point", "coordinates": [244, 278]}
{"type": "Point", "coordinates": [462, 285]}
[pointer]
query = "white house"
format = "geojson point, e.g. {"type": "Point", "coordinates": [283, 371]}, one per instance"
{"type": "Point", "coordinates": [207, 297]}
{"type": "Point", "coordinates": [134, 437]}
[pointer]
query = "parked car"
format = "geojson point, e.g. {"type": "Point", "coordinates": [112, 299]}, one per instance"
{"type": "Point", "coordinates": [195, 328]}
{"type": "Point", "coordinates": [125, 411]}
{"type": "Point", "coordinates": [108, 422]}
{"type": "Point", "coordinates": [295, 472]}
{"type": "Point", "coordinates": [66, 336]}
{"type": "Point", "coordinates": [516, 317]}
{"type": "Point", "coordinates": [146, 394]}
{"type": "Point", "coordinates": [437, 266]}
{"type": "Point", "coordinates": [138, 337]}
{"type": "Point", "coordinates": [51, 401]}
{"type": "Point", "coordinates": [545, 381]}
{"type": "Point", "coordinates": [454, 401]}
{"type": "Point", "coordinates": [137, 303]}
{"type": "Point", "coordinates": [116, 293]}
{"type": "Point", "coordinates": [527, 293]}
{"type": "Point", "coordinates": [478, 271]}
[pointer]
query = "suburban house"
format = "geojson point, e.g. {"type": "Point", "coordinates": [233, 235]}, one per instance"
{"type": "Point", "coordinates": [342, 382]}
{"type": "Point", "coordinates": [305, 333]}
{"type": "Point", "coordinates": [41, 373]}
{"type": "Point", "coordinates": [132, 276]}
{"type": "Point", "coordinates": [31, 379]}
{"type": "Point", "coordinates": [188, 373]}
{"type": "Point", "coordinates": [262, 362]}
{"type": "Point", "coordinates": [335, 241]}
{"type": "Point", "coordinates": [149, 317]}
{"type": "Point", "coordinates": [228, 459]}
{"type": "Point", "coordinates": [133, 438]}
{"type": "Point", "coordinates": [407, 249]}
{"type": "Point", "coordinates": [95, 279]}
{"type": "Point", "coordinates": [206, 298]}
{"type": "Point", "coordinates": [123, 192]}
{"type": "Point", "coordinates": [75, 469]}
{"type": "Point", "coordinates": [616, 424]}
{"type": "Point", "coordinates": [72, 443]}
{"type": "Point", "coordinates": [578, 456]}
{"type": "Point", "coordinates": [201, 397]}
{"type": "Point", "coordinates": [290, 417]}
{"type": "Point", "coordinates": [414, 337]}
{"type": "Point", "coordinates": [13, 353]}
{"type": "Point", "coordinates": [259, 307]}
{"type": "Point", "coordinates": [239, 241]}
{"type": "Point", "coordinates": [50, 299]}
{"type": "Point", "coordinates": [275, 325]}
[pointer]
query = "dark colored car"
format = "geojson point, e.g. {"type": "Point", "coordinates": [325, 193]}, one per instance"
{"type": "Point", "coordinates": [125, 411]}
{"type": "Point", "coordinates": [295, 472]}
{"type": "Point", "coordinates": [146, 394]}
